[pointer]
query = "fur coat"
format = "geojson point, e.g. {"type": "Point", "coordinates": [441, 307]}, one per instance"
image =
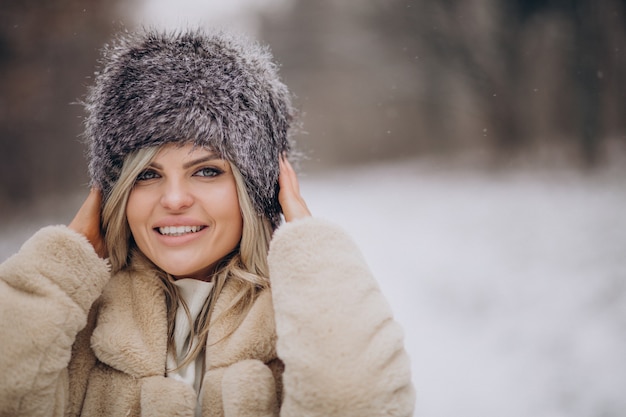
{"type": "Point", "coordinates": [77, 341]}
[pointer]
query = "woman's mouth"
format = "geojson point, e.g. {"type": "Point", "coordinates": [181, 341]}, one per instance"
{"type": "Point", "coordinates": [178, 230]}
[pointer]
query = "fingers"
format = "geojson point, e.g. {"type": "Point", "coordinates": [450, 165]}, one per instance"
{"type": "Point", "coordinates": [292, 203]}
{"type": "Point", "coordinates": [87, 221]}
{"type": "Point", "coordinates": [287, 179]}
{"type": "Point", "coordinates": [93, 203]}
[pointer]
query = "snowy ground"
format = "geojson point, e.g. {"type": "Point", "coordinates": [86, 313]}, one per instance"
{"type": "Point", "coordinates": [511, 286]}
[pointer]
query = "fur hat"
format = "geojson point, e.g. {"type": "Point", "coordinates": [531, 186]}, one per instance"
{"type": "Point", "coordinates": [217, 90]}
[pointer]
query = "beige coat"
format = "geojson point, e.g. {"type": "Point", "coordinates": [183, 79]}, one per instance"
{"type": "Point", "coordinates": [78, 342]}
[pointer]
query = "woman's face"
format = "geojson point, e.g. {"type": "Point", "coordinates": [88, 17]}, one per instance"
{"type": "Point", "coordinates": [183, 211]}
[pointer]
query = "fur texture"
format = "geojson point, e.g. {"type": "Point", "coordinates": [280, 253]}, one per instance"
{"type": "Point", "coordinates": [343, 352]}
{"type": "Point", "coordinates": [214, 90]}
{"type": "Point", "coordinates": [44, 301]}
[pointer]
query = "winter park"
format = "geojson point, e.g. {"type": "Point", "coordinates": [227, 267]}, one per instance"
{"type": "Point", "coordinates": [474, 151]}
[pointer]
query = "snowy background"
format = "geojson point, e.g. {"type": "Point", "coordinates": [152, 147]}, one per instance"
{"type": "Point", "coordinates": [510, 285]}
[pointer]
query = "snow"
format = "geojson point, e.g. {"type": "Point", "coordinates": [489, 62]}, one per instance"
{"type": "Point", "coordinates": [510, 285]}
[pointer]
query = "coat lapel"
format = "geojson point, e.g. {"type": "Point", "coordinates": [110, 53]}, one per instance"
{"type": "Point", "coordinates": [254, 337]}
{"type": "Point", "coordinates": [131, 332]}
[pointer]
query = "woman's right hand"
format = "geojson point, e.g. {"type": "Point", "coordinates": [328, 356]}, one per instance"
{"type": "Point", "coordinates": [87, 222]}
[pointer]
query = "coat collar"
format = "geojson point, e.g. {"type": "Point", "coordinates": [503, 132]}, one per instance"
{"type": "Point", "coordinates": [131, 330]}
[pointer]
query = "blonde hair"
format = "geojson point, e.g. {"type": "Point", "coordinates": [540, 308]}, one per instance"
{"type": "Point", "coordinates": [246, 265]}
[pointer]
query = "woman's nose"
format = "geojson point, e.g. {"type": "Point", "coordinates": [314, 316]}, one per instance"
{"type": "Point", "coordinates": [176, 196]}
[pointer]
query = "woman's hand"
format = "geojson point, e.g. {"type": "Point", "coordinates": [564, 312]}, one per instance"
{"type": "Point", "coordinates": [289, 197]}
{"type": "Point", "coordinates": [87, 222]}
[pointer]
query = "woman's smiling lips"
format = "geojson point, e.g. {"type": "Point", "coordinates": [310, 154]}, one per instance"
{"type": "Point", "coordinates": [179, 231]}
{"type": "Point", "coordinates": [173, 238]}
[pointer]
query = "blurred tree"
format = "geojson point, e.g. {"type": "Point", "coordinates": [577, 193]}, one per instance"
{"type": "Point", "coordinates": [389, 78]}
{"type": "Point", "coordinates": [593, 70]}
{"type": "Point", "coordinates": [556, 63]}
{"type": "Point", "coordinates": [47, 51]}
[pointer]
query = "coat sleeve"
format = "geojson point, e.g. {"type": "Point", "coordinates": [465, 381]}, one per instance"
{"type": "Point", "coordinates": [343, 352]}
{"type": "Point", "coordinates": [46, 291]}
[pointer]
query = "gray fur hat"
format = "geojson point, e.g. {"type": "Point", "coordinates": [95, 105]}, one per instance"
{"type": "Point", "coordinates": [217, 90]}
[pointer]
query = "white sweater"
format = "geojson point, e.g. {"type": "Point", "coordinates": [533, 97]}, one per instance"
{"type": "Point", "coordinates": [194, 293]}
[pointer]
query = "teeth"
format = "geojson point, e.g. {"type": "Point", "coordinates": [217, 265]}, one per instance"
{"type": "Point", "coordinates": [178, 230]}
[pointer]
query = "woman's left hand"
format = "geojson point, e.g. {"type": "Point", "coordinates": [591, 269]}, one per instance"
{"type": "Point", "coordinates": [289, 197]}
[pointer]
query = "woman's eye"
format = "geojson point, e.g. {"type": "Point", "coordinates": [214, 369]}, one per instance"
{"type": "Point", "coordinates": [208, 172]}
{"type": "Point", "coordinates": [146, 175]}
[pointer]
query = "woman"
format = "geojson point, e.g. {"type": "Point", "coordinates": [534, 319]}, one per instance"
{"type": "Point", "coordinates": [188, 137]}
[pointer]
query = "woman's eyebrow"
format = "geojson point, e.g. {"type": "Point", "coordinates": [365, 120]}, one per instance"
{"type": "Point", "coordinates": [200, 161]}
{"type": "Point", "coordinates": [190, 163]}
